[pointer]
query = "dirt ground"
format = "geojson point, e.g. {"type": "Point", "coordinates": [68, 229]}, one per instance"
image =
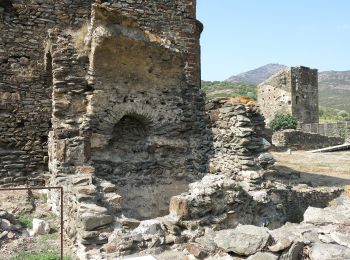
{"type": "Point", "coordinates": [25, 207]}
{"type": "Point", "coordinates": [321, 169]}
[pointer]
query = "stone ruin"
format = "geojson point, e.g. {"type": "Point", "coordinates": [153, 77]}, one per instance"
{"type": "Point", "coordinates": [106, 96]}
{"type": "Point", "coordinates": [293, 91]}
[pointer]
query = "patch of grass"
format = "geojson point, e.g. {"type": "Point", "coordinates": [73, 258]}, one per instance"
{"type": "Point", "coordinates": [26, 220]}
{"type": "Point", "coordinates": [48, 237]}
{"type": "Point", "coordinates": [46, 254]}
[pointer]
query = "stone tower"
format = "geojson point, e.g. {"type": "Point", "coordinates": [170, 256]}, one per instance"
{"type": "Point", "coordinates": [293, 91]}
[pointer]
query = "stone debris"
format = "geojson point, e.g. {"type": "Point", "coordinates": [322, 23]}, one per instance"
{"type": "Point", "coordinates": [243, 240]}
{"type": "Point", "coordinates": [40, 227]}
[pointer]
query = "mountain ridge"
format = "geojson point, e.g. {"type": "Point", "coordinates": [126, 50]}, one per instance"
{"type": "Point", "coordinates": [258, 75]}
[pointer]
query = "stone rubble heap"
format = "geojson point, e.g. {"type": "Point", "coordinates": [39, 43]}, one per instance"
{"type": "Point", "coordinates": [324, 234]}
{"type": "Point", "coordinates": [215, 203]}
{"type": "Point", "coordinates": [9, 226]}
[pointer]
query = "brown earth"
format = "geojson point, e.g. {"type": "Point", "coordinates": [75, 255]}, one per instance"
{"type": "Point", "coordinates": [321, 169]}
{"type": "Point", "coordinates": [21, 203]}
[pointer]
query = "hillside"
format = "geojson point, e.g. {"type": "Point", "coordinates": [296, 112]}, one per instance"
{"type": "Point", "coordinates": [334, 89]}
{"type": "Point", "coordinates": [257, 75]}
{"type": "Point", "coordinates": [215, 89]}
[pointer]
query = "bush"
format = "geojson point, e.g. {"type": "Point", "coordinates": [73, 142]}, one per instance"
{"type": "Point", "coordinates": [283, 121]}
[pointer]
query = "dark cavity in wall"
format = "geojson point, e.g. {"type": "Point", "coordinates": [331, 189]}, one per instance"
{"type": "Point", "coordinates": [134, 164]}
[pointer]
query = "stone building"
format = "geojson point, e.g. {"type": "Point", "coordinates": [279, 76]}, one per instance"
{"type": "Point", "coordinates": [292, 91]}
{"type": "Point", "coordinates": [105, 95]}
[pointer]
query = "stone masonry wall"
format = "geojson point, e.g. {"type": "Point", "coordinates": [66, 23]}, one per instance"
{"type": "Point", "coordinates": [305, 94]}
{"type": "Point", "coordinates": [291, 91]}
{"type": "Point", "coordinates": [26, 82]}
{"type": "Point", "coordinates": [238, 145]}
{"type": "Point", "coordinates": [299, 140]}
{"type": "Point", "coordinates": [128, 114]}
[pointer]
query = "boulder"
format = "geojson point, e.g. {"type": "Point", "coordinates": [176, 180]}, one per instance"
{"type": "Point", "coordinates": [6, 225]}
{"type": "Point", "coordinates": [322, 251]}
{"type": "Point", "coordinates": [325, 216]}
{"type": "Point", "coordinates": [244, 240]}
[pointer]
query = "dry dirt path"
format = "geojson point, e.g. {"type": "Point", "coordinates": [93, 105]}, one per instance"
{"type": "Point", "coordinates": [321, 169]}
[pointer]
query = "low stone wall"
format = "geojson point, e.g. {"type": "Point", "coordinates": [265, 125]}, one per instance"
{"type": "Point", "coordinates": [298, 140]}
{"type": "Point", "coordinates": [338, 129]}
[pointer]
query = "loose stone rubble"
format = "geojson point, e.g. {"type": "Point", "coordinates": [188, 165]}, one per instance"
{"type": "Point", "coordinates": [9, 226]}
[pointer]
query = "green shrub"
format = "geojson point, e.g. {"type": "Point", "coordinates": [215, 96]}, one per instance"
{"type": "Point", "coordinates": [26, 220]}
{"type": "Point", "coordinates": [283, 121]}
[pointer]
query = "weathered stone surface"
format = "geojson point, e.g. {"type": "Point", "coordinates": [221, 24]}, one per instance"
{"type": "Point", "coordinates": [40, 227]}
{"type": "Point", "coordinates": [244, 240]}
{"type": "Point", "coordinates": [91, 221]}
{"type": "Point", "coordinates": [322, 251]}
{"type": "Point", "coordinates": [196, 250]}
{"type": "Point", "coordinates": [325, 216]}
{"type": "Point", "coordinates": [295, 252]}
{"type": "Point", "coordinates": [6, 225]}
{"type": "Point", "coordinates": [263, 256]}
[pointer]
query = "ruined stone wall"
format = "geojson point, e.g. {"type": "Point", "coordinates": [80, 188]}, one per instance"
{"type": "Point", "coordinates": [338, 129]}
{"type": "Point", "coordinates": [291, 91]}
{"type": "Point", "coordinates": [275, 95]}
{"type": "Point", "coordinates": [26, 82]}
{"type": "Point", "coordinates": [299, 140]}
{"type": "Point", "coordinates": [127, 113]}
{"type": "Point", "coordinates": [305, 94]}
{"type": "Point", "coordinates": [237, 139]}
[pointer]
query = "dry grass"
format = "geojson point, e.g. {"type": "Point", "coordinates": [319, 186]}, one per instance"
{"type": "Point", "coordinates": [319, 168]}
{"type": "Point", "coordinates": [79, 37]}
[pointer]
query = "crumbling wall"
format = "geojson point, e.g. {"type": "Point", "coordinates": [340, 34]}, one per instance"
{"type": "Point", "coordinates": [291, 91]}
{"type": "Point", "coordinates": [26, 82]}
{"type": "Point", "coordinates": [128, 114]}
{"type": "Point", "coordinates": [299, 140]}
{"type": "Point", "coordinates": [238, 144]}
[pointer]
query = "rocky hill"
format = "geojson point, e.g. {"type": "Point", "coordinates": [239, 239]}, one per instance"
{"type": "Point", "coordinates": [334, 89]}
{"type": "Point", "coordinates": [257, 75]}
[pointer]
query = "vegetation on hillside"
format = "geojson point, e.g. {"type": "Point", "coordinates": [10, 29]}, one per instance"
{"type": "Point", "coordinates": [215, 89]}
{"type": "Point", "coordinates": [328, 114]}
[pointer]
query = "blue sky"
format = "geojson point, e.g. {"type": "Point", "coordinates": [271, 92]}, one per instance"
{"type": "Point", "coordinates": [240, 35]}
